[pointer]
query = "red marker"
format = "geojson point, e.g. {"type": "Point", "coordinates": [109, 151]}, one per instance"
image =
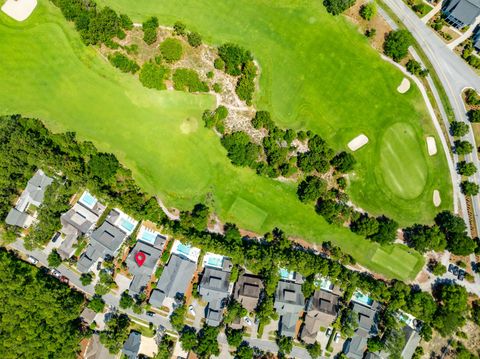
{"type": "Point", "coordinates": [140, 258]}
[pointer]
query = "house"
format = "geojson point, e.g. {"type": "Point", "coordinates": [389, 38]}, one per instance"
{"type": "Point", "coordinates": [173, 282]}
{"type": "Point", "coordinates": [289, 302]}
{"type": "Point", "coordinates": [412, 339]}
{"type": "Point", "coordinates": [214, 288]}
{"type": "Point", "coordinates": [322, 309]}
{"type": "Point", "coordinates": [366, 318]}
{"type": "Point", "coordinates": [79, 221]}
{"type": "Point", "coordinates": [88, 316]}
{"type": "Point", "coordinates": [461, 13]}
{"type": "Point", "coordinates": [132, 345]}
{"type": "Point", "coordinates": [142, 262]}
{"type": "Point", "coordinates": [247, 291]}
{"type": "Point", "coordinates": [107, 239]}
{"type": "Point", "coordinates": [33, 195]}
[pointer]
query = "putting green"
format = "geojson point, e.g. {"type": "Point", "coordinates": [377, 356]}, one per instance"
{"type": "Point", "coordinates": [48, 73]}
{"type": "Point", "coordinates": [404, 167]}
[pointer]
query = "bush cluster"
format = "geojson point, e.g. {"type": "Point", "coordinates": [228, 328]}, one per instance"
{"type": "Point", "coordinates": [188, 80]}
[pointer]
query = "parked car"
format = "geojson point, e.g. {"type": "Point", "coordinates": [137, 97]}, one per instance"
{"type": "Point", "coordinates": [150, 314]}
{"type": "Point", "coordinates": [191, 310]}
{"type": "Point", "coordinates": [247, 321]}
{"type": "Point", "coordinates": [461, 277]}
{"type": "Point", "coordinates": [63, 279]}
{"type": "Point", "coordinates": [337, 338]}
{"type": "Point", "coordinates": [55, 237]}
{"type": "Point", "coordinates": [455, 270]}
{"type": "Point", "coordinates": [99, 265]}
{"type": "Point", "coordinates": [32, 260]}
{"type": "Point", "coordinates": [450, 267]}
{"type": "Point", "coordinates": [328, 332]}
{"type": "Point", "coordinates": [56, 273]}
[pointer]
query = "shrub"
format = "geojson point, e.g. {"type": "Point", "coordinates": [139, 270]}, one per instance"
{"type": "Point", "coordinates": [336, 7]}
{"type": "Point", "coordinates": [171, 50]}
{"type": "Point", "coordinates": [263, 119]}
{"type": "Point", "coordinates": [396, 44]}
{"type": "Point", "coordinates": [153, 76]}
{"type": "Point", "coordinates": [474, 116]}
{"type": "Point", "coordinates": [469, 188]}
{"type": "Point", "coordinates": [179, 28]}
{"type": "Point", "coordinates": [217, 88]}
{"type": "Point", "coordinates": [368, 11]}
{"type": "Point", "coordinates": [234, 57]}
{"type": "Point", "coordinates": [123, 63]}
{"type": "Point", "coordinates": [96, 304]}
{"type": "Point", "coordinates": [188, 80]}
{"type": "Point", "coordinates": [466, 168]}
{"type": "Point", "coordinates": [472, 98]}
{"type": "Point", "coordinates": [241, 151]}
{"type": "Point", "coordinates": [458, 128]}
{"type": "Point", "coordinates": [219, 64]}
{"type": "Point", "coordinates": [343, 162]}
{"type": "Point", "coordinates": [370, 33]}
{"type": "Point", "coordinates": [125, 22]}
{"type": "Point", "coordinates": [54, 259]}
{"type": "Point", "coordinates": [311, 189]}
{"type": "Point", "coordinates": [150, 30]}
{"type": "Point", "coordinates": [463, 147]}
{"type": "Point", "coordinates": [86, 279]}
{"type": "Point", "coordinates": [194, 39]}
{"type": "Point", "coordinates": [415, 68]}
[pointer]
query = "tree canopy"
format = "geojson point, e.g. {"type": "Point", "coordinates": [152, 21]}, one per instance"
{"type": "Point", "coordinates": [39, 314]}
{"type": "Point", "coordinates": [396, 44]}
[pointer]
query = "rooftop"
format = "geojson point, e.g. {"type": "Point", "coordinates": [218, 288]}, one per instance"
{"type": "Point", "coordinates": [142, 271]}
{"type": "Point", "coordinates": [247, 291]}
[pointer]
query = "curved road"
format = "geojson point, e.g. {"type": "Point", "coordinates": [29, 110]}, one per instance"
{"type": "Point", "coordinates": [453, 72]}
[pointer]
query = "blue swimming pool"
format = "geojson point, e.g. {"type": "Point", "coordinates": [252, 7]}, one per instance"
{"type": "Point", "coordinates": [88, 200]}
{"type": "Point", "coordinates": [284, 274]}
{"type": "Point", "coordinates": [362, 298]}
{"type": "Point", "coordinates": [148, 237]}
{"type": "Point", "coordinates": [215, 261]}
{"type": "Point", "coordinates": [129, 226]}
{"type": "Point", "coordinates": [182, 248]}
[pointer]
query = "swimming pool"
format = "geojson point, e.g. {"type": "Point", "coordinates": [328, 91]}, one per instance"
{"type": "Point", "coordinates": [215, 261]}
{"type": "Point", "coordinates": [362, 298]}
{"type": "Point", "coordinates": [88, 200]}
{"type": "Point", "coordinates": [284, 273]}
{"type": "Point", "coordinates": [129, 226]}
{"type": "Point", "coordinates": [148, 237]}
{"type": "Point", "coordinates": [182, 248]}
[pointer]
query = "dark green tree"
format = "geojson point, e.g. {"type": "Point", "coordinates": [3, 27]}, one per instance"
{"type": "Point", "coordinates": [336, 7]}
{"type": "Point", "coordinates": [54, 259]}
{"type": "Point", "coordinates": [462, 147]}
{"type": "Point", "coordinates": [194, 39]}
{"type": "Point", "coordinates": [96, 304]}
{"type": "Point", "coordinates": [466, 168]}
{"type": "Point", "coordinates": [458, 129]}
{"type": "Point", "coordinates": [311, 188]}
{"type": "Point", "coordinates": [469, 188]}
{"type": "Point", "coordinates": [396, 44]}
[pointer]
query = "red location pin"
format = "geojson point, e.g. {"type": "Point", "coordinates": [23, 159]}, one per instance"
{"type": "Point", "coordinates": [140, 258]}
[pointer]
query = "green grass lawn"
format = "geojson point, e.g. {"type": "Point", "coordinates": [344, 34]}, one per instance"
{"type": "Point", "coordinates": [46, 72]}
{"type": "Point", "coordinates": [319, 73]}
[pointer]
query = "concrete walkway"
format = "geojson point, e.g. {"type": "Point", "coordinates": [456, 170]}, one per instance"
{"type": "Point", "coordinates": [432, 12]}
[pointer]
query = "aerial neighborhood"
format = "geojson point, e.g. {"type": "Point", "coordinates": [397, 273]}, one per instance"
{"type": "Point", "coordinates": [255, 179]}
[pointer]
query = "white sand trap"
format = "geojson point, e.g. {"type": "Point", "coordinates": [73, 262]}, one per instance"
{"type": "Point", "coordinates": [436, 198]}
{"type": "Point", "coordinates": [19, 9]}
{"type": "Point", "coordinates": [431, 146]}
{"type": "Point", "coordinates": [404, 86]}
{"type": "Point", "coordinates": [358, 142]}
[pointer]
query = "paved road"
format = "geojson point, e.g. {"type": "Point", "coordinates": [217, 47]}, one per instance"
{"type": "Point", "coordinates": [453, 72]}
{"type": "Point", "coordinates": [455, 76]}
{"type": "Point", "coordinates": [113, 299]}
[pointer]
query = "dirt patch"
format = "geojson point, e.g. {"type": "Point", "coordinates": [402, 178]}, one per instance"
{"type": "Point", "coordinates": [378, 23]}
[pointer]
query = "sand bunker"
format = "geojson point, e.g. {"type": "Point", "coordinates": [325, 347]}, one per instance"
{"type": "Point", "coordinates": [358, 142]}
{"type": "Point", "coordinates": [404, 86]}
{"type": "Point", "coordinates": [19, 9]}
{"type": "Point", "coordinates": [436, 198]}
{"type": "Point", "coordinates": [431, 146]}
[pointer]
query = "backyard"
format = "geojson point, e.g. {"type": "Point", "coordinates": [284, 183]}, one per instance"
{"type": "Point", "coordinates": [71, 87]}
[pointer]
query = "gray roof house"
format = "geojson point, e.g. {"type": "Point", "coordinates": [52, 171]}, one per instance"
{"type": "Point", "coordinates": [247, 291]}
{"type": "Point", "coordinates": [322, 309]}
{"type": "Point", "coordinates": [79, 220]}
{"type": "Point", "coordinates": [132, 345]}
{"type": "Point", "coordinates": [142, 273]}
{"type": "Point", "coordinates": [104, 241]}
{"type": "Point", "coordinates": [366, 317]}
{"type": "Point", "coordinates": [33, 194]}
{"type": "Point", "coordinates": [461, 13]}
{"type": "Point", "coordinates": [174, 281]}
{"type": "Point", "coordinates": [214, 288]}
{"type": "Point", "coordinates": [289, 302]}
{"type": "Point", "coordinates": [412, 339]}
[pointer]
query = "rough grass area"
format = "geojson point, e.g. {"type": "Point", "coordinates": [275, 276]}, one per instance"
{"type": "Point", "coordinates": [48, 73]}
